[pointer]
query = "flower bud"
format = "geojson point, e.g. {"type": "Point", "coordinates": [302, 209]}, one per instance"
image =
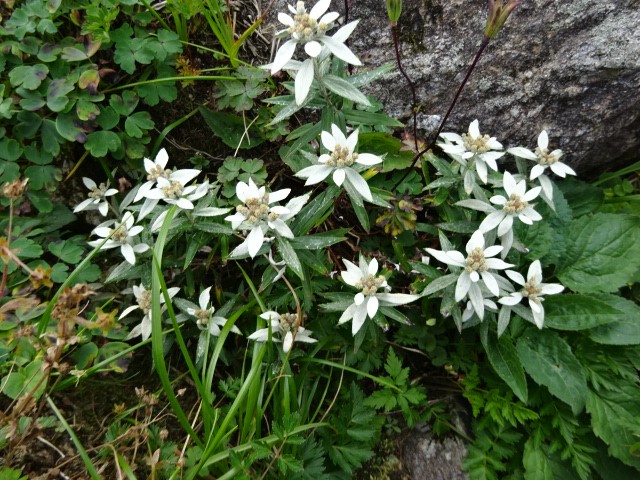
{"type": "Point", "coordinates": [394, 9]}
{"type": "Point", "coordinates": [498, 14]}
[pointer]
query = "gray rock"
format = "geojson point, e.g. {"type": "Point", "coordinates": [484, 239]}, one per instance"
{"type": "Point", "coordinates": [426, 457]}
{"type": "Point", "coordinates": [571, 67]}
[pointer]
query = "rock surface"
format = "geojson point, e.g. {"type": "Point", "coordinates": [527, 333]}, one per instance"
{"type": "Point", "coordinates": [426, 457]}
{"type": "Point", "coordinates": [571, 67]}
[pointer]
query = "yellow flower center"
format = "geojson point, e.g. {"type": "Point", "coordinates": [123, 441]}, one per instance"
{"type": "Point", "coordinates": [144, 301]}
{"type": "Point", "coordinates": [120, 234]}
{"type": "Point", "coordinates": [173, 190]}
{"type": "Point", "coordinates": [475, 262]}
{"type": "Point", "coordinates": [158, 172]}
{"type": "Point", "coordinates": [341, 157]}
{"type": "Point", "coordinates": [476, 145]}
{"type": "Point", "coordinates": [289, 322]}
{"type": "Point", "coordinates": [515, 205]}
{"type": "Point", "coordinates": [98, 192]}
{"type": "Point", "coordinates": [370, 284]}
{"type": "Point", "coordinates": [545, 157]}
{"type": "Point", "coordinates": [256, 210]}
{"type": "Point", "coordinates": [531, 291]}
{"type": "Point", "coordinates": [305, 27]}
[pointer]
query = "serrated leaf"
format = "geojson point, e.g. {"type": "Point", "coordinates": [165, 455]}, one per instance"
{"type": "Point", "coordinates": [536, 463]}
{"type": "Point", "coordinates": [548, 359]}
{"type": "Point", "coordinates": [615, 419]}
{"type": "Point", "coordinates": [625, 330]}
{"type": "Point", "coordinates": [583, 197]}
{"type": "Point", "coordinates": [504, 359]}
{"type": "Point", "coordinates": [582, 312]}
{"type": "Point", "coordinates": [602, 252]}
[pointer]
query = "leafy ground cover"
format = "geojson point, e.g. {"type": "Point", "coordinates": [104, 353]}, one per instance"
{"type": "Point", "coordinates": [216, 270]}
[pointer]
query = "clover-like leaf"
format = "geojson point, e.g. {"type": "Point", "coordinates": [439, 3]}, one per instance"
{"type": "Point", "coordinates": [29, 77]}
{"type": "Point", "coordinates": [135, 125]}
{"type": "Point", "coordinates": [101, 142]}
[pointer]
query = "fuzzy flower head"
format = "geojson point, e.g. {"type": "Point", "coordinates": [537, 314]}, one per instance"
{"type": "Point", "coordinates": [310, 28]}
{"type": "Point", "coordinates": [286, 328]}
{"type": "Point", "coordinates": [97, 197]}
{"type": "Point", "coordinates": [544, 159]}
{"type": "Point", "coordinates": [174, 190]}
{"type": "Point", "coordinates": [514, 205]}
{"type": "Point", "coordinates": [258, 216]}
{"type": "Point", "coordinates": [476, 265]}
{"type": "Point", "coordinates": [472, 146]}
{"type": "Point", "coordinates": [122, 234]}
{"type": "Point", "coordinates": [532, 289]}
{"type": "Point", "coordinates": [204, 315]}
{"type": "Point", "coordinates": [155, 169]}
{"type": "Point", "coordinates": [341, 162]}
{"type": "Point", "coordinates": [374, 292]}
{"type": "Point", "coordinates": [143, 300]}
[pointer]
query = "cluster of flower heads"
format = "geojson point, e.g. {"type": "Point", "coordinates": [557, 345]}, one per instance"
{"type": "Point", "coordinates": [479, 280]}
{"type": "Point", "coordinates": [260, 218]}
{"type": "Point", "coordinates": [310, 29]}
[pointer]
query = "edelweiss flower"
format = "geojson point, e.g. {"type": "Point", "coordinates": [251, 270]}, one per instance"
{"type": "Point", "coordinates": [533, 290]}
{"type": "Point", "coordinates": [545, 160]}
{"type": "Point", "coordinates": [368, 300]}
{"type": "Point", "coordinates": [143, 297]}
{"type": "Point", "coordinates": [473, 147]}
{"type": "Point", "coordinates": [121, 235]}
{"type": "Point", "coordinates": [204, 314]}
{"type": "Point", "coordinates": [97, 197]}
{"type": "Point", "coordinates": [515, 205]}
{"type": "Point", "coordinates": [340, 162]}
{"type": "Point", "coordinates": [258, 217]}
{"type": "Point", "coordinates": [173, 190]}
{"type": "Point", "coordinates": [476, 265]}
{"type": "Point", "coordinates": [286, 325]}
{"type": "Point", "coordinates": [310, 29]}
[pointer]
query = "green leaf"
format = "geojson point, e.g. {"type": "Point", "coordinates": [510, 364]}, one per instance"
{"type": "Point", "coordinates": [56, 94]}
{"type": "Point", "coordinates": [10, 149]}
{"type": "Point", "coordinates": [51, 140]}
{"type": "Point", "coordinates": [536, 463]}
{"type": "Point", "coordinates": [152, 93]}
{"type": "Point", "coordinates": [603, 252]}
{"type": "Point", "coordinates": [625, 330]}
{"type": "Point", "coordinates": [581, 312]}
{"type": "Point", "coordinates": [40, 175]}
{"type": "Point", "coordinates": [29, 77]}
{"type": "Point", "coordinates": [108, 118]}
{"type": "Point", "coordinates": [25, 380]}
{"type": "Point", "coordinates": [583, 197]}
{"type": "Point", "coordinates": [87, 110]}
{"type": "Point", "coordinates": [26, 248]}
{"type": "Point", "coordinates": [137, 124]}
{"type": "Point", "coordinates": [504, 359]}
{"type": "Point", "coordinates": [231, 129]}
{"type": "Point", "coordinates": [615, 419]}
{"type": "Point", "coordinates": [319, 240]}
{"type": "Point", "coordinates": [289, 256]}
{"type": "Point", "coordinates": [342, 87]}
{"type": "Point", "coordinates": [383, 144]}
{"type": "Point", "coordinates": [67, 251]}
{"type": "Point", "coordinates": [548, 359]}
{"type": "Point", "coordinates": [68, 129]}
{"type": "Point", "coordinates": [439, 283]}
{"type": "Point", "coordinates": [124, 105]}
{"type": "Point", "coordinates": [73, 54]}
{"type": "Point", "coordinates": [99, 143]}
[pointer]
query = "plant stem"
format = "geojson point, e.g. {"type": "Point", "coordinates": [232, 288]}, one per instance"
{"type": "Point", "coordinates": [414, 102]}
{"type": "Point", "coordinates": [431, 144]}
